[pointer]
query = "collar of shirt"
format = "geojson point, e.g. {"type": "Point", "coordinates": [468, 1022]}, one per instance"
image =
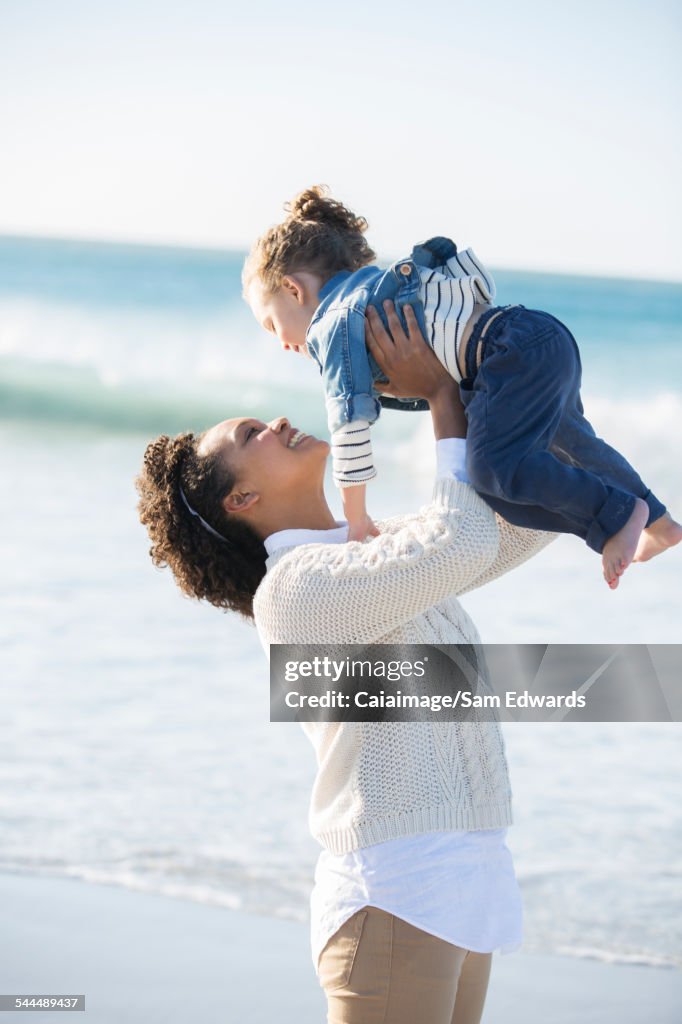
{"type": "Point", "coordinates": [333, 283]}
{"type": "Point", "coordinates": [292, 538]}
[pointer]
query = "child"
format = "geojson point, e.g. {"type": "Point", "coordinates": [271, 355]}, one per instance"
{"type": "Point", "coordinates": [531, 454]}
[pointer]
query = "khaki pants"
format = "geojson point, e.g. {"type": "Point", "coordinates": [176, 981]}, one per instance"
{"type": "Point", "coordinates": [378, 969]}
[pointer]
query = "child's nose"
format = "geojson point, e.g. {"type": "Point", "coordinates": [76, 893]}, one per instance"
{"type": "Point", "coordinates": [287, 348]}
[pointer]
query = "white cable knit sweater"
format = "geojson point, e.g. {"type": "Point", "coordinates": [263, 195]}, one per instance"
{"type": "Point", "coordinates": [380, 780]}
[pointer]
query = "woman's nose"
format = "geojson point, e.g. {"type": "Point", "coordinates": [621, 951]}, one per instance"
{"type": "Point", "coordinates": [280, 424]}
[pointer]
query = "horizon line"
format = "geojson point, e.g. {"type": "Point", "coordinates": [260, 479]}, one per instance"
{"type": "Point", "coordinates": [216, 247]}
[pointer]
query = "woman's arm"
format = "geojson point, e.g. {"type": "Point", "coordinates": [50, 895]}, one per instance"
{"type": "Point", "coordinates": [359, 592]}
{"type": "Point", "coordinates": [517, 545]}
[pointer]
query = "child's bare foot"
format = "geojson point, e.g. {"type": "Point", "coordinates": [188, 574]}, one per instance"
{"type": "Point", "coordinates": [663, 533]}
{"type": "Point", "coordinates": [619, 550]}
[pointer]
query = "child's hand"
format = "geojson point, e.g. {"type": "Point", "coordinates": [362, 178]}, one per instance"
{"type": "Point", "coordinates": [362, 528]}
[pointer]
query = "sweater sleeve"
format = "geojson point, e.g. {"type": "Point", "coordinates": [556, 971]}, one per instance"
{"type": "Point", "coordinates": [358, 592]}
{"type": "Point", "coordinates": [517, 545]}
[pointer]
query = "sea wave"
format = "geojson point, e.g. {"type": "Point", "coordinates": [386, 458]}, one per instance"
{"type": "Point", "coordinates": [144, 371]}
{"type": "Point", "coordinates": [267, 896]}
{"type": "Point", "coordinates": [78, 397]}
{"type": "Point", "coordinates": [134, 371]}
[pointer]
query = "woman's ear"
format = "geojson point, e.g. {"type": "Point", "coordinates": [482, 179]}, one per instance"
{"type": "Point", "coordinates": [240, 501]}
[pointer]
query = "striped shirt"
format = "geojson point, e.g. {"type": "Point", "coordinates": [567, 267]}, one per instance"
{"type": "Point", "coordinates": [448, 294]}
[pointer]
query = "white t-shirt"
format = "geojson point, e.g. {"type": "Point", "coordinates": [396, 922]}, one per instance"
{"type": "Point", "coordinates": [459, 886]}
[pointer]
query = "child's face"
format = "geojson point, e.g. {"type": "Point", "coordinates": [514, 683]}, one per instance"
{"type": "Point", "coordinates": [287, 312]}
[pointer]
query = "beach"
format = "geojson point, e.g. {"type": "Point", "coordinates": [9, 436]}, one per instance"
{"type": "Point", "coordinates": [141, 781]}
{"type": "Point", "coordinates": [143, 958]}
{"type": "Point", "coordinates": [157, 827]}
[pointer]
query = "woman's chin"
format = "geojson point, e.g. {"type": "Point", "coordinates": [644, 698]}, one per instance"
{"type": "Point", "coordinates": [317, 452]}
{"type": "Point", "coordinates": [311, 444]}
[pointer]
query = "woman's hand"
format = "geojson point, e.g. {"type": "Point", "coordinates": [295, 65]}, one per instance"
{"type": "Point", "coordinates": [414, 370]}
{"type": "Point", "coordinates": [411, 367]}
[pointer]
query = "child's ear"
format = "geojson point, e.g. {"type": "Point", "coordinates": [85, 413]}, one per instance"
{"type": "Point", "coordinates": [295, 286]}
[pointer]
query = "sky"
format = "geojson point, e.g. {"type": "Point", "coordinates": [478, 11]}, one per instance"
{"type": "Point", "coordinates": [545, 136]}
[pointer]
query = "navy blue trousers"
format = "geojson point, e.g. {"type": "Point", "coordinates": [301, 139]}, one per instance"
{"type": "Point", "coordinates": [531, 454]}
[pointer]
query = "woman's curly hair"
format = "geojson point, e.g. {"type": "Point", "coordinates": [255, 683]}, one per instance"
{"type": "Point", "coordinates": [226, 573]}
{"type": "Point", "coordinates": [320, 235]}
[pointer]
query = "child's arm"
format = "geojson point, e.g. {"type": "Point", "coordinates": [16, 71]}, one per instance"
{"type": "Point", "coordinates": [359, 522]}
{"type": "Point", "coordinates": [338, 340]}
{"type": "Point", "coordinates": [353, 466]}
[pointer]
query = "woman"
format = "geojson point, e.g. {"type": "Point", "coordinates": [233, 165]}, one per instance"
{"type": "Point", "coordinates": [414, 887]}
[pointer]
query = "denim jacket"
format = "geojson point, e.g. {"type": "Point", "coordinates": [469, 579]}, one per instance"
{"type": "Point", "coordinates": [336, 336]}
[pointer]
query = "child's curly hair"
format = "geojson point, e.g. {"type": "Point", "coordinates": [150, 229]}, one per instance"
{"type": "Point", "coordinates": [226, 574]}
{"type": "Point", "coordinates": [320, 235]}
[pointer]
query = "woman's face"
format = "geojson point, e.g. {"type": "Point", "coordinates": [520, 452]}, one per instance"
{"type": "Point", "coordinates": [274, 463]}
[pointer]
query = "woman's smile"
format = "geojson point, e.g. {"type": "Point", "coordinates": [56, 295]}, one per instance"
{"type": "Point", "coordinates": [296, 437]}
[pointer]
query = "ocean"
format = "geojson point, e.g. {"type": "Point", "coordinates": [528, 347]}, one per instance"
{"type": "Point", "coordinates": [136, 746]}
